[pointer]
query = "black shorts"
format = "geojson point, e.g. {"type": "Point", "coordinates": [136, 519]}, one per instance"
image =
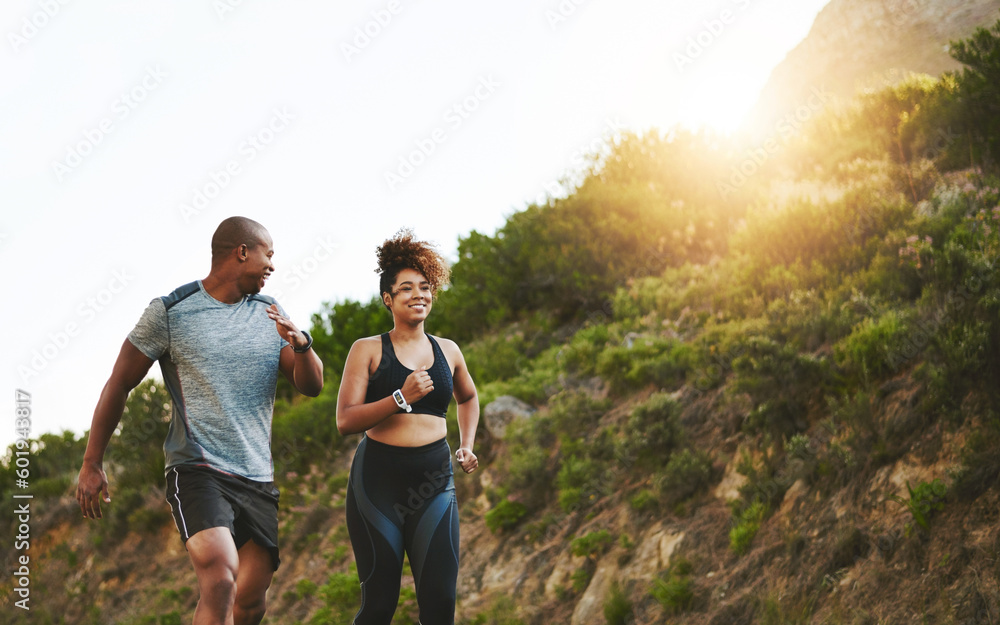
{"type": "Point", "coordinates": [201, 498]}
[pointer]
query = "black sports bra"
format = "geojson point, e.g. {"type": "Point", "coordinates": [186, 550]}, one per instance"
{"type": "Point", "coordinates": [390, 376]}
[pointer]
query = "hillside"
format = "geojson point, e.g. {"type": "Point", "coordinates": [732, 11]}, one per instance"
{"type": "Point", "coordinates": [859, 44]}
{"type": "Point", "coordinates": [774, 403]}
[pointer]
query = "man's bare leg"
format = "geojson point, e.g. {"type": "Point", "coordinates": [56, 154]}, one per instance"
{"type": "Point", "coordinates": [217, 564]}
{"type": "Point", "coordinates": [255, 572]}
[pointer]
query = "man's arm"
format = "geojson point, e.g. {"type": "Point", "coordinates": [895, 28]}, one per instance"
{"type": "Point", "coordinates": [130, 368]}
{"type": "Point", "coordinates": [303, 369]}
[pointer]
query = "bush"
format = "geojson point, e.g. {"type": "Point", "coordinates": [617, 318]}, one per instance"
{"type": "Point", "coordinates": [505, 515]}
{"type": "Point", "coordinates": [503, 611]}
{"type": "Point", "coordinates": [876, 347]}
{"type": "Point", "coordinates": [644, 501]}
{"type": "Point", "coordinates": [528, 474]}
{"type": "Point", "coordinates": [341, 596]}
{"type": "Point", "coordinates": [924, 501]}
{"type": "Point", "coordinates": [674, 590]}
{"type": "Point", "coordinates": [305, 432]}
{"type": "Point", "coordinates": [575, 413]}
{"type": "Point", "coordinates": [647, 360]}
{"type": "Point", "coordinates": [686, 473]}
{"type": "Point", "coordinates": [591, 545]}
{"type": "Point", "coordinates": [747, 525]}
{"type": "Point", "coordinates": [617, 607]}
{"type": "Point", "coordinates": [653, 431]}
{"type": "Point", "coordinates": [780, 381]}
{"type": "Point", "coordinates": [579, 478]}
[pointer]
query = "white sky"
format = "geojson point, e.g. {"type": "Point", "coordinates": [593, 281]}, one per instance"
{"type": "Point", "coordinates": [115, 114]}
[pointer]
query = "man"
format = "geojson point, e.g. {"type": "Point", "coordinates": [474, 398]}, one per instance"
{"type": "Point", "coordinates": [220, 345]}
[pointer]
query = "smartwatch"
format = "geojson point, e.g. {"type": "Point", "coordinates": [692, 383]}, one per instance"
{"type": "Point", "coordinates": [401, 401]}
{"type": "Point", "coordinates": [308, 345]}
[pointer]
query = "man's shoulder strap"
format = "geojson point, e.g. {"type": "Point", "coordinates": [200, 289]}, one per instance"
{"type": "Point", "coordinates": [267, 299]}
{"type": "Point", "coordinates": [180, 294]}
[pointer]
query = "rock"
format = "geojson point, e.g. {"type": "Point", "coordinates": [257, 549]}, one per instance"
{"type": "Point", "coordinates": [502, 411]}
{"type": "Point", "coordinates": [562, 572]}
{"type": "Point", "coordinates": [792, 495]}
{"type": "Point", "coordinates": [589, 609]}
{"type": "Point", "coordinates": [652, 556]}
{"type": "Point", "coordinates": [729, 487]}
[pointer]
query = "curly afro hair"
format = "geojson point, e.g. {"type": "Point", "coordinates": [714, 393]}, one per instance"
{"type": "Point", "coordinates": [403, 251]}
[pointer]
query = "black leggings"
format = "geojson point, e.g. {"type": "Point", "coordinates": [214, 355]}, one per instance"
{"type": "Point", "coordinates": [404, 498]}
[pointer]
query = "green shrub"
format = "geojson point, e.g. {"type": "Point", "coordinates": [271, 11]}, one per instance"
{"type": "Point", "coordinates": [304, 432]}
{"type": "Point", "coordinates": [746, 526]}
{"type": "Point", "coordinates": [574, 413]}
{"type": "Point", "coordinates": [341, 597]}
{"type": "Point", "coordinates": [528, 474]}
{"type": "Point", "coordinates": [503, 611]}
{"type": "Point", "coordinates": [877, 347]}
{"type": "Point", "coordinates": [578, 478]}
{"type": "Point", "coordinates": [407, 612]}
{"type": "Point", "coordinates": [171, 618]}
{"type": "Point", "coordinates": [591, 545]}
{"type": "Point", "coordinates": [581, 579]}
{"type": "Point", "coordinates": [649, 360]}
{"type": "Point", "coordinates": [505, 515]}
{"type": "Point", "coordinates": [644, 501]}
{"type": "Point", "coordinates": [497, 357]}
{"type": "Point", "coordinates": [686, 473]}
{"type": "Point", "coordinates": [535, 380]}
{"type": "Point", "coordinates": [780, 381]}
{"type": "Point", "coordinates": [653, 431]}
{"type": "Point", "coordinates": [617, 607]}
{"type": "Point", "coordinates": [674, 590]}
{"type": "Point", "coordinates": [305, 588]}
{"type": "Point", "coordinates": [924, 501]}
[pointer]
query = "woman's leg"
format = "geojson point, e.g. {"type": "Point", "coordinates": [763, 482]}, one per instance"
{"type": "Point", "coordinates": [378, 546]}
{"type": "Point", "coordinates": [431, 536]}
{"type": "Point", "coordinates": [432, 546]}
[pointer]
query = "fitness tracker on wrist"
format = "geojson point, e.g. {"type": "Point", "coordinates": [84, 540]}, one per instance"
{"type": "Point", "coordinates": [308, 345]}
{"type": "Point", "coordinates": [401, 401]}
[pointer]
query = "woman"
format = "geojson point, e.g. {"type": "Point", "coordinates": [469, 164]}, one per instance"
{"type": "Point", "coordinates": [396, 389]}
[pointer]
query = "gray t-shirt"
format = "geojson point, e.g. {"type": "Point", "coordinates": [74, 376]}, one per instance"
{"type": "Point", "coordinates": [220, 366]}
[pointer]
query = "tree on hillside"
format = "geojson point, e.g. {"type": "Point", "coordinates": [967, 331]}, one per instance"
{"type": "Point", "coordinates": [980, 91]}
{"type": "Point", "coordinates": [651, 204]}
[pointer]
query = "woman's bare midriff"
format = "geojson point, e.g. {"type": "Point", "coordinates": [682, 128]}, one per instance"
{"type": "Point", "coordinates": [409, 430]}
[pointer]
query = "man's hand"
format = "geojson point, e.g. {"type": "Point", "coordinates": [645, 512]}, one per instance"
{"type": "Point", "coordinates": [91, 487]}
{"type": "Point", "coordinates": [286, 329]}
{"type": "Point", "coordinates": [468, 460]}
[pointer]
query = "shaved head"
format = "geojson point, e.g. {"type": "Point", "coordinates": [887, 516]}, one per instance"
{"type": "Point", "coordinates": [236, 231]}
